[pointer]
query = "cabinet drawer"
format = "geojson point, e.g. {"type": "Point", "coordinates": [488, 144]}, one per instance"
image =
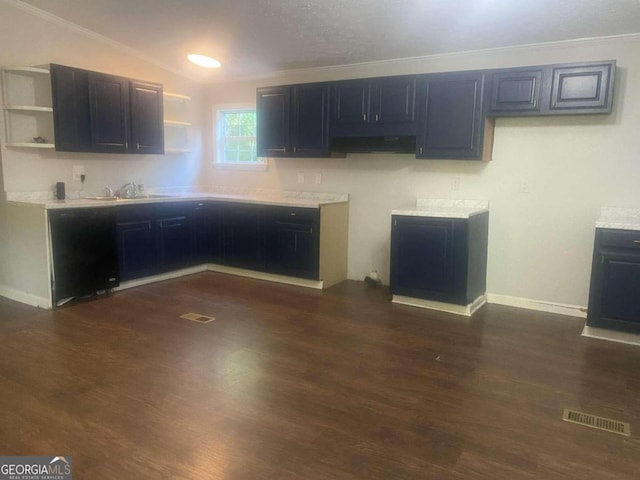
{"type": "Point", "coordinates": [620, 238]}
{"type": "Point", "coordinates": [295, 214]}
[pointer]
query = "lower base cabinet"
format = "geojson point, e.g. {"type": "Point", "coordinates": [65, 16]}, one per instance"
{"type": "Point", "coordinates": [439, 259]}
{"type": "Point", "coordinates": [614, 300]}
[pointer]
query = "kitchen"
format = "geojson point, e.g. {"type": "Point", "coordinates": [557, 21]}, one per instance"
{"type": "Point", "coordinates": [546, 183]}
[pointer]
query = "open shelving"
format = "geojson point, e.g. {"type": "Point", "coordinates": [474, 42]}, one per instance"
{"type": "Point", "coordinates": [176, 126]}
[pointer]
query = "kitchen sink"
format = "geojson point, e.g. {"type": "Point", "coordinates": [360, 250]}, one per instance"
{"type": "Point", "coordinates": [137, 197]}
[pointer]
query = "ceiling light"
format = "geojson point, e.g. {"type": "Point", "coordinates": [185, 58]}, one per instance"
{"type": "Point", "coordinates": [204, 61]}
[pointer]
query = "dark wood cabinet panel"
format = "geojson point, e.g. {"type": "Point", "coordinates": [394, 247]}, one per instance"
{"type": "Point", "coordinates": [273, 116]}
{"type": "Point", "coordinates": [516, 91]}
{"type": "Point", "coordinates": [83, 242]}
{"type": "Point", "coordinates": [451, 119]}
{"type": "Point", "coordinates": [310, 126]}
{"type": "Point", "coordinates": [173, 236]}
{"type": "Point", "coordinates": [292, 241]}
{"type": "Point", "coordinates": [243, 239]}
{"type": "Point", "coordinates": [147, 128]}
{"type": "Point", "coordinates": [351, 101]}
{"type": "Point", "coordinates": [108, 100]}
{"type": "Point", "coordinates": [293, 121]}
{"type": "Point", "coordinates": [393, 100]}
{"type": "Point", "coordinates": [374, 107]}
{"type": "Point", "coordinates": [614, 302]}
{"type": "Point", "coordinates": [439, 259]}
{"type": "Point", "coordinates": [207, 232]}
{"type": "Point", "coordinates": [582, 88]}
{"type": "Point", "coordinates": [565, 89]}
{"type": "Point", "coordinates": [72, 122]}
{"type": "Point", "coordinates": [136, 249]}
{"type": "Point", "coordinates": [100, 113]}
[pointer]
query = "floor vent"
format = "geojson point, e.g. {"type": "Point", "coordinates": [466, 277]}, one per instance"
{"type": "Point", "coordinates": [196, 317]}
{"type": "Point", "coordinates": [601, 423]}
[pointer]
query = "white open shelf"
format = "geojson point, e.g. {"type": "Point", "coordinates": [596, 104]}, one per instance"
{"type": "Point", "coordinates": [176, 131]}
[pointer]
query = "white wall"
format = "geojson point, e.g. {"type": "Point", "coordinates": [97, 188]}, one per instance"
{"type": "Point", "coordinates": [540, 243]}
{"type": "Point", "coordinates": [29, 39]}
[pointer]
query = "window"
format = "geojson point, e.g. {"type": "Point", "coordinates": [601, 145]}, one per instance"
{"type": "Point", "coordinates": [236, 138]}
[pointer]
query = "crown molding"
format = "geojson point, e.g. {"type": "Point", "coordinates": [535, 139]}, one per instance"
{"type": "Point", "coordinates": [61, 22]}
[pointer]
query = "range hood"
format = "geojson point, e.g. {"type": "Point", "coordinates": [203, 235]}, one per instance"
{"type": "Point", "coordinates": [392, 144]}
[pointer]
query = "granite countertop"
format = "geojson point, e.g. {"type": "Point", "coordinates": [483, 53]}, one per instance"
{"type": "Point", "coordinates": [619, 218]}
{"type": "Point", "coordinates": [444, 208]}
{"type": "Point", "coordinates": [46, 201]}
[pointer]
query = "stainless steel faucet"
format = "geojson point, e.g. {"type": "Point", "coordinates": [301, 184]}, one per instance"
{"type": "Point", "coordinates": [128, 190]}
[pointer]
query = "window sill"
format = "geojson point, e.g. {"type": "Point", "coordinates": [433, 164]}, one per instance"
{"type": "Point", "coordinates": [256, 167]}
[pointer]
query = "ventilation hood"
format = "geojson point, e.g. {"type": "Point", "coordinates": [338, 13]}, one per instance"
{"type": "Point", "coordinates": [391, 144]}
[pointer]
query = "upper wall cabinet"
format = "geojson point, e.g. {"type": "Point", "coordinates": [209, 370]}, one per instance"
{"type": "Point", "coordinates": [451, 123]}
{"type": "Point", "coordinates": [377, 106]}
{"type": "Point", "coordinates": [96, 112]}
{"type": "Point", "coordinates": [293, 121]}
{"type": "Point", "coordinates": [569, 89]}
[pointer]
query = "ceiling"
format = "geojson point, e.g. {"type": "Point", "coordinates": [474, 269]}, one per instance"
{"type": "Point", "coordinates": [257, 37]}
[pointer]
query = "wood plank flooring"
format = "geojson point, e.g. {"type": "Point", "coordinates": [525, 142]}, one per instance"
{"type": "Point", "coordinates": [292, 383]}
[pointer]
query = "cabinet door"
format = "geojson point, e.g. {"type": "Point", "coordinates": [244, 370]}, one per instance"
{"type": "Point", "coordinates": [582, 88]}
{"type": "Point", "coordinates": [174, 242]}
{"type": "Point", "coordinates": [243, 237]}
{"type": "Point", "coordinates": [422, 257]}
{"type": "Point", "coordinates": [311, 120]}
{"type": "Point", "coordinates": [451, 117]}
{"type": "Point", "coordinates": [83, 243]}
{"type": "Point", "coordinates": [516, 91]}
{"type": "Point", "coordinates": [109, 100]}
{"type": "Point", "coordinates": [273, 118]}
{"type": "Point", "coordinates": [147, 127]}
{"type": "Point", "coordinates": [207, 232]}
{"type": "Point", "coordinates": [393, 100]}
{"type": "Point", "coordinates": [351, 103]}
{"type": "Point", "coordinates": [292, 246]}
{"type": "Point", "coordinates": [71, 117]}
{"type": "Point", "coordinates": [136, 249]}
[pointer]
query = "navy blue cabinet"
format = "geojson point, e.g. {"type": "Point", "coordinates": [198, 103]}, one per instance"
{"type": "Point", "coordinates": [137, 253]}
{"type": "Point", "coordinates": [451, 123]}
{"type": "Point", "coordinates": [206, 224]}
{"type": "Point", "coordinates": [614, 302]}
{"type": "Point", "coordinates": [97, 112]}
{"type": "Point", "coordinates": [173, 236]}
{"type": "Point", "coordinates": [293, 121]}
{"type": "Point", "coordinates": [242, 236]}
{"type": "Point", "coordinates": [439, 259]}
{"type": "Point", "coordinates": [564, 89]}
{"type": "Point", "coordinates": [293, 241]}
{"type": "Point", "coordinates": [83, 242]}
{"type": "Point", "coordinates": [377, 106]}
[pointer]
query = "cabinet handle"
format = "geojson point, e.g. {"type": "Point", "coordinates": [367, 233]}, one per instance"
{"type": "Point", "coordinates": [377, 117]}
{"type": "Point", "coordinates": [295, 149]}
{"type": "Point", "coordinates": [420, 150]}
{"type": "Point", "coordinates": [364, 117]}
{"type": "Point", "coordinates": [636, 241]}
{"type": "Point", "coordinates": [293, 214]}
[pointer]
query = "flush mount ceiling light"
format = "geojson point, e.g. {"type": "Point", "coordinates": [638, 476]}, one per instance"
{"type": "Point", "coordinates": [203, 61]}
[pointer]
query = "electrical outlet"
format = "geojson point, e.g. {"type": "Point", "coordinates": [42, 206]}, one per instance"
{"type": "Point", "coordinates": [523, 186]}
{"type": "Point", "coordinates": [77, 171]}
{"type": "Point", "coordinates": [318, 178]}
{"type": "Point", "coordinates": [300, 178]}
{"type": "Point", "coordinates": [455, 183]}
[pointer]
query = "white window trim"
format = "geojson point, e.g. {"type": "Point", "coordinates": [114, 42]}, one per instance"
{"type": "Point", "coordinates": [217, 115]}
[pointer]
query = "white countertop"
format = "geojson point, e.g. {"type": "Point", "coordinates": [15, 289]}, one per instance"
{"type": "Point", "coordinates": [46, 201]}
{"type": "Point", "coordinates": [444, 208]}
{"type": "Point", "coordinates": [619, 218]}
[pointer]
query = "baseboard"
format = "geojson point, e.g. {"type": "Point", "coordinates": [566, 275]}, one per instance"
{"type": "Point", "coordinates": [163, 276]}
{"type": "Point", "coordinates": [26, 298]}
{"type": "Point", "coordinates": [611, 335]}
{"type": "Point", "coordinates": [270, 277]}
{"type": "Point", "coordinates": [541, 306]}
{"type": "Point", "coordinates": [465, 310]}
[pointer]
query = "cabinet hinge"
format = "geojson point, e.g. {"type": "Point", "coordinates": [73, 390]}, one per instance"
{"type": "Point", "coordinates": [602, 259]}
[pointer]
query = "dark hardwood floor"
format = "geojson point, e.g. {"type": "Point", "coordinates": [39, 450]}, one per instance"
{"type": "Point", "coordinates": [292, 383]}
